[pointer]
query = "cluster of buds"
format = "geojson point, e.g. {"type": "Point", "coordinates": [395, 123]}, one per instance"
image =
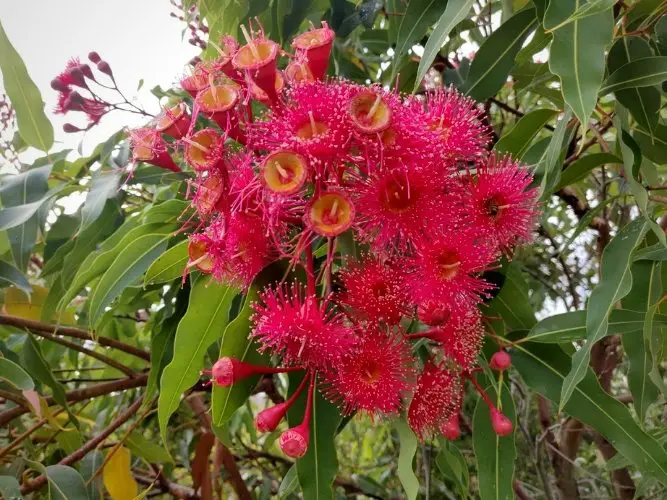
{"type": "Point", "coordinates": [78, 88]}
{"type": "Point", "coordinates": [289, 166]}
{"type": "Point", "coordinates": [190, 16]}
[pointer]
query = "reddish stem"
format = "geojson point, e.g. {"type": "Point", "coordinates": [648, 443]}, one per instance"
{"type": "Point", "coordinates": [421, 335]}
{"type": "Point", "coordinates": [481, 391]}
{"type": "Point", "coordinates": [309, 401]}
{"type": "Point", "coordinates": [298, 391]}
{"type": "Point", "coordinates": [310, 269]}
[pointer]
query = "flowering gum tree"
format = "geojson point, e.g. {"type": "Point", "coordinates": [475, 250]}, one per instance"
{"type": "Point", "coordinates": [317, 270]}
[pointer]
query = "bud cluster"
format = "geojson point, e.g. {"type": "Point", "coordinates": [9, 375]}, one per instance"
{"type": "Point", "coordinates": [78, 90]}
{"type": "Point", "coordinates": [291, 165]}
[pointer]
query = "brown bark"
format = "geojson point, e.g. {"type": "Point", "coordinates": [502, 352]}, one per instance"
{"type": "Point", "coordinates": [563, 469]}
{"type": "Point", "coordinates": [605, 356]}
{"type": "Point", "coordinates": [228, 460]}
{"type": "Point", "coordinates": [167, 486]}
{"type": "Point", "coordinates": [74, 457]}
{"type": "Point", "coordinates": [80, 395]}
{"type": "Point", "coordinates": [84, 350]}
{"type": "Point", "coordinates": [38, 326]}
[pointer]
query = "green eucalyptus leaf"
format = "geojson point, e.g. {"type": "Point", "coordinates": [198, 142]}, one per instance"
{"type": "Point", "coordinates": [131, 262]}
{"type": "Point", "coordinates": [585, 221]}
{"type": "Point", "coordinates": [639, 73]}
{"type": "Point", "coordinates": [643, 103]}
{"type": "Point", "coordinates": [169, 266]}
{"type": "Point", "coordinates": [452, 464]}
{"type": "Point", "coordinates": [97, 263]}
{"type": "Point", "coordinates": [289, 484]}
{"type": "Point", "coordinates": [9, 276]}
{"type": "Point", "coordinates": [236, 344]}
{"type": "Point", "coordinates": [103, 187]}
{"type": "Point", "coordinates": [455, 12]}
{"type": "Point", "coordinates": [65, 483]}
{"type": "Point", "coordinates": [653, 144]}
{"type": "Point", "coordinates": [21, 197]}
{"type": "Point", "coordinates": [551, 164]}
{"type": "Point", "coordinates": [33, 359]}
{"type": "Point", "coordinates": [544, 369]}
{"type": "Point", "coordinates": [416, 19]}
{"type": "Point", "coordinates": [496, 57]}
{"type": "Point", "coordinates": [15, 375]}
{"type": "Point", "coordinates": [495, 455]}
{"type": "Point", "coordinates": [571, 326]}
{"type": "Point", "coordinates": [577, 53]}
{"type": "Point", "coordinates": [632, 160]}
{"type": "Point", "coordinates": [34, 127]}
{"type": "Point", "coordinates": [149, 450]}
{"type": "Point", "coordinates": [405, 471]}
{"type": "Point", "coordinates": [582, 11]}
{"type": "Point", "coordinates": [317, 469]}
{"type": "Point", "coordinates": [646, 291]}
{"type": "Point", "coordinates": [517, 141]}
{"type": "Point", "coordinates": [583, 166]}
{"type": "Point", "coordinates": [615, 283]}
{"type": "Point", "coordinates": [89, 467]}
{"type": "Point", "coordinates": [512, 303]}
{"type": "Point", "coordinates": [10, 488]}
{"type": "Point", "coordinates": [203, 323]}
{"type": "Point", "coordinates": [87, 240]}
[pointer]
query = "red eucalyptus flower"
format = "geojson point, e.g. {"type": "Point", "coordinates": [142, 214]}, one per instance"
{"type": "Point", "coordinates": [374, 375]}
{"type": "Point", "coordinates": [436, 399]}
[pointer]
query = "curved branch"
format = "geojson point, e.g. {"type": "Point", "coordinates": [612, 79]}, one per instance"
{"type": "Point", "coordinates": [88, 352]}
{"type": "Point", "coordinates": [38, 326]}
{"type": "Point", "coordinates": [89, 446]}
{"type": "Point", "coordinates": [80, 395]}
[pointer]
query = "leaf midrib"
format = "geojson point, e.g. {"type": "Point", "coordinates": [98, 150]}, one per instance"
{"type": "Point", "coordinates": [201, 341]}
{"type": "Point", "coordinates": [503, 54]}
{"type": "Point", "coordinates": [94, 312]}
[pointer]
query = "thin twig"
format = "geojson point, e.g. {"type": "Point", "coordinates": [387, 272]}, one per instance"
{"type": "Point", "coordinates": [38, 326]}
{"type": "Point", "coordinates": [74, 457]}
{"type": "Point", "coordinates": [88, 352]}
{"type": "Point", "coordinates": [80, 395]}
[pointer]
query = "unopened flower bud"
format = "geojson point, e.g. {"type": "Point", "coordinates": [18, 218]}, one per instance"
{"type": "Point", "coordinates": [267, 420]}
{"type": "Point", "coordinates": [71, 129]}
{"type": "Point", "coordinates": [500, 361]}
{"type": "Point", "coordinates": [500, 423]}
{"type": "Point", "coordinates": [87, 72]}
{"type": "Point", "coordinates": [451, 429]}
{"type": "Point", "coordinates": [77, 76]}
{"type": "Point", "coordinates": [58, 86]}
{"type": "Point", "coordinates": [104, 67]}
{"type": "Point", "coordinates": [226, 371]}
{"type": "Point", "coordinates": [294, 442]}
{"type": "Point", "coordinates": [94, 57]}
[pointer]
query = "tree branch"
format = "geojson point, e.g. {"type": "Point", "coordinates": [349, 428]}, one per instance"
{"type": "Point", "coordinates": [166, 486]}
{"type": "Point", "coordinates": [88, 352]}
{"type": "Point", "coordinates": [38, 326]}
{"type": "Point", "coordinates": [80, 395]}
{"type": "Point", "coordinates": [74, 457]}
{"type": "Point", "coordinates": [226, 457]}
{"type": "Point", "coordinates": [515, 112]}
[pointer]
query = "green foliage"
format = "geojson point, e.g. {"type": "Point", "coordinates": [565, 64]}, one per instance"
{"type": "Point", "coordinates": [573, 88]}
{"type": "Point", "coordinates": [34, 127]}
{"type": "Point", "coordinates": [495, 455]}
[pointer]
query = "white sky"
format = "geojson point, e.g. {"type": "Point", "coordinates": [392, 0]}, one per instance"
{"type": "Point", "coordinates": [138, 38]}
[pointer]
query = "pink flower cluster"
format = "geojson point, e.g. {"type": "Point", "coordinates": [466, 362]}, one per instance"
{"type": "Point", "coordinates": [327, 164]}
